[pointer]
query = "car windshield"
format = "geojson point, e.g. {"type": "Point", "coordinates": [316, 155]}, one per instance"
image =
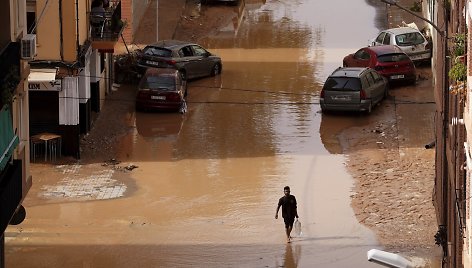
{"type": "Point", "coordinates": [157, 51]}
{"type": "Point", "coordinates": [342, 83]}
{"type": "Point", "coordinates": [397, 57]}
{"type": "Point", "coordinates": [409, 39]}
{"type": "Point", "coordinates": [158, 82]}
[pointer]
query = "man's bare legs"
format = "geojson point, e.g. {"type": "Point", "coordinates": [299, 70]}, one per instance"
{"type": "Point", "coordinates": [288, 231]}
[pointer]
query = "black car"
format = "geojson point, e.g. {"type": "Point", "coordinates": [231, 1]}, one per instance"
{"type": "Point", "coordinates": [192, 60]}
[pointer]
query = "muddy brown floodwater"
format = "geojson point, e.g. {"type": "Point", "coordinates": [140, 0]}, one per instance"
{"type": "Point", "coordinates": [201, 189]}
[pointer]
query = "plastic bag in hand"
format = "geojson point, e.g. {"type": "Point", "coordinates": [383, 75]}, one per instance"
{"type": "Point", "coordinates": [297, 228]}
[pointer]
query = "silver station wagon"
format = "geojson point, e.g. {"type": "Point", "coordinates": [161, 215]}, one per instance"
{"type": "Point", "coordinates": [353, 89]}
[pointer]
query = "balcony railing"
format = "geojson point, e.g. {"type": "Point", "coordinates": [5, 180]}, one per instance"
{"type": "Point", "coordinates": [106, 26]}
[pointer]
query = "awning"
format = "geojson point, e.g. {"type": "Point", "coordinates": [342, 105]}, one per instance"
{"type": "Point", "coordinates": [42, 75]}
{"type": "Point", "coordinates": [43, 80]}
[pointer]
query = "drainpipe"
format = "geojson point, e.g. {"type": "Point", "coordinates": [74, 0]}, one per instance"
{"type": "Point", "coordinates": [61, 51]}
{"type": "Point", "coordinates": [77, 25]}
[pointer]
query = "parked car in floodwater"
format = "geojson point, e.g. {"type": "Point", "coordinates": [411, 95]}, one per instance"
{"type": "Point", "coordinates": [408, 39]}
{"type": "Point", "coordinates": [353, 89]}
{"type": "Point", "coordinates": [162, 89]}
{"type": "Point", "coordinates": [192, 60]}
{"type": "Point", "coordinates": [390, 61]}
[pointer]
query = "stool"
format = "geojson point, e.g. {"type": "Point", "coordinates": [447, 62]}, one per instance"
{"type": "Point", "coordinates": [37, 146]}
{"type": "Point", "coordinates": [52, 143]}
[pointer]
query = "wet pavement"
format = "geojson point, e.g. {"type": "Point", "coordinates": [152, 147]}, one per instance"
{"type": "Point", "coordinates": [203, 187]}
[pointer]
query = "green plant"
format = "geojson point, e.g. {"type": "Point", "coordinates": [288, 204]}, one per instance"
{"type": "Point", "coordinates": [458, 72]}
{"type": "Point", "coordinates": [459, 46]}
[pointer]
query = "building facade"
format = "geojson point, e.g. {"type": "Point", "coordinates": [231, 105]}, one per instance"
{"type": "Point", "coordinates": [71, 67]}
{"type": "Point", "coordinates": [15, 179]}
{"type": "Point", "coordinates": [451, 190]}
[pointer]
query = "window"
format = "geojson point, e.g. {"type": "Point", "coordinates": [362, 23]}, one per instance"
{"type": "Point", "coordinates": [376, 76]}
{"type": "Point", "coordinates": [342, 83]}
{"type": "Point", "coordinates": [393, 57]}
{"type": "Point", "coordinates": [199, 51]}
{"type": "Point", "coordinates": [362, 55]}
{"type": "Point", "coordinates": [370, 78]}
{"type": "Point", "coordinates": [380, 38]}
{"type": "Point", "coordinates": [186, 52]}
{"type": "Point", "coordinates": [409, 39]}
{"type": "Point", "coordinates": [158, 82]}
{"type": "Point", "coordinates": [386, 39]}
{"type": "Point", "coordinates": [157, 51]}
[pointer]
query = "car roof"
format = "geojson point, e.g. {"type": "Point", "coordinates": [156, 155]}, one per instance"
{"type": "Point", "coordinates": [171, 44]}
{"type": "Point", "coordinates": [385, 49]}
{"type": "Point", "coordinates": [401, 30]}
{"type": "Point", "coordinates": [348, 71]}
{"type": "Point", "coordinates": [161, 71]}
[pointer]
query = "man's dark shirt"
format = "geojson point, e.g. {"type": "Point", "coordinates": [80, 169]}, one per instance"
{"type": "Point", "coordinates": [289, 206]}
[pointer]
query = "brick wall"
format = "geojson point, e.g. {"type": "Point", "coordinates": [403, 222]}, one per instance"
{"type": "Point", "coordinates": [132, 11]}
{"type": "Point", "coordinates": [126, 15]}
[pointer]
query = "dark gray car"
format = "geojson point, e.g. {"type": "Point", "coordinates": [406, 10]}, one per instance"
{"type": "Point", "coordinates": [353, 89]}
{"type": "Point", "coordinates": [192, 60]}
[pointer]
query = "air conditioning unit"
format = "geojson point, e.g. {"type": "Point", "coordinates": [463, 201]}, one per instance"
{"type": "Point", "coordinates": [28, 47]}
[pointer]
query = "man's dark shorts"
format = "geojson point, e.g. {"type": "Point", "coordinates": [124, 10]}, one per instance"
{"type": "Point", "coordinates": [289, 222]}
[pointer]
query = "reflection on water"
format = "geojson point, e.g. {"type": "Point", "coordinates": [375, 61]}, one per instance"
{"type": "Point", "coordinates": [157, 126]}
{"type": "Point", "coordinates": [154, 139]}
{"type": "Point", "coordinates": [333, 124]}
{"type": "Point", "coordinates": [292, 255]}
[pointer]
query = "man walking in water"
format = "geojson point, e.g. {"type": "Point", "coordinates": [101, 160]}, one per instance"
{"type": "Point", "coordinates": [289, 211]}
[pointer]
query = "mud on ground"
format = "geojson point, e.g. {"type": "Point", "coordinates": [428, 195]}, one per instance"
{"type": "Point", "coordinates": [393, 181]}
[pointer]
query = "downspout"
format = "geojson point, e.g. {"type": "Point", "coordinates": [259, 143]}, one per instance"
{"type": "Point", "coordinates": [77, 26]}
{"type": "Point", "coordinates": [61, 51]}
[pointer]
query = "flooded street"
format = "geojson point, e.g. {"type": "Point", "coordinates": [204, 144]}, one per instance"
{"type": "Point", "coordinates": [206, 184]}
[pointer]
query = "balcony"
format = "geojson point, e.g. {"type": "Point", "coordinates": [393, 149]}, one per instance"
{"type": "Point", "coordinates": [106, 27]}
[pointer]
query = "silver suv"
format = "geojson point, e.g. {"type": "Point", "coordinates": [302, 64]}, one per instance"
{"type": "Point", "coordinates": [353, 89]}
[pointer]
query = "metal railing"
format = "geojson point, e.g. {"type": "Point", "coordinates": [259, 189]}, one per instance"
{"type": "Point", "coordinates": [106, 26]}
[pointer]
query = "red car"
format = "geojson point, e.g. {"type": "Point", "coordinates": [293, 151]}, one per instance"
{"type": "Point", "coordinates": [162, 89]}
{"type": "Point", "coordinates": [389, 60]}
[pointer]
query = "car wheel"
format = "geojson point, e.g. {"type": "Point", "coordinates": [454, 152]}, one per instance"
{"type": "Point", "coordinates": [216, 69]}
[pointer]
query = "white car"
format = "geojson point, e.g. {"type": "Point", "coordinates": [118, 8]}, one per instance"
{"type": "Point", "coordinates": [409, 39]}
